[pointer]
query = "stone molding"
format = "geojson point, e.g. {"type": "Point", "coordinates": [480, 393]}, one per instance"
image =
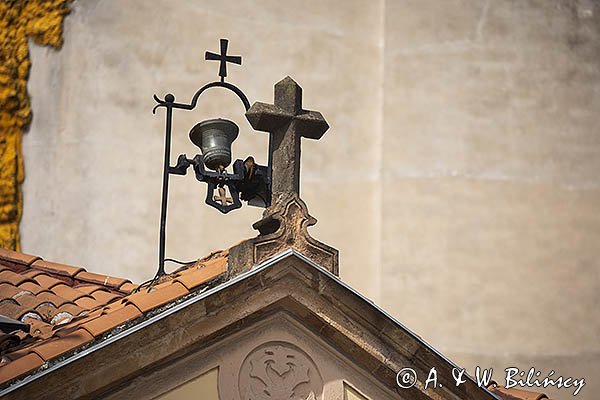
{"type": "Point", "coordinates": [284, 226]}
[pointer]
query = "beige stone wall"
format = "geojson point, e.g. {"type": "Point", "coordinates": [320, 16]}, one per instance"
{"type": "Point", "coordinates": [459, 179]}
{"type": "Point", "coordinates": [491, 141]}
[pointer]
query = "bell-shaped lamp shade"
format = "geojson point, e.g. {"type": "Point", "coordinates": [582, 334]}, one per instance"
{"type": "Point", "coordinates": [214, 137]}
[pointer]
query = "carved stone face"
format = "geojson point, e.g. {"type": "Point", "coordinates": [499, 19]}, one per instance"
{"type": "Point", "coordinates": [279, 370]}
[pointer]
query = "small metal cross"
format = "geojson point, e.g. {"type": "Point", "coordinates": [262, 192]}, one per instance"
{"type": "Point", "coordinates": [223, 59]}
{"type": "Point", "coordinates": [222, 197]}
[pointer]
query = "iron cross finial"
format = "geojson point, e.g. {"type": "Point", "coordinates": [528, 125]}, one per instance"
{"type": "Point", "coordinates": [223, 59]}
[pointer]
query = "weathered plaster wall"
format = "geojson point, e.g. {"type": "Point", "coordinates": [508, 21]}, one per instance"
{"type": "Point", "coordinates": [19, 21]}
{"type": "Point", "coordinates": [492, 144]}
{"type": "Point", "coordinates": [458, 180]}
{"type": "Point", "coordinates": [94, 152]}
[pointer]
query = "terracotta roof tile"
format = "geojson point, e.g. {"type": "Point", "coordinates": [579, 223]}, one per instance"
{"type": "Point", "coordinates": [32, 287]}
{"type": "Point", "coordinates": [196, 276]}
{"type": "Point", "coordinates": [146, 301]}
{"type": "Point", "coordinates": [88, 288]}
{"type": "Point", "coordinates": [72, 309]}
{"type": "Point", "coordinates": [52, 298]}
{"type": "Point", "coordinates": [20, 366]}
{"type": "Point", "coordinates": [10, 308]}
{"type": "Point", "coordinates": [67, 292]}
{"type": "Point", "coordinates": [55, 268]}
{"type": "Point", "coordinates": [9, 291]}
{"type": "Point", "coordinates": [88, 303]}
{"type": "Point", "coordinates": [13, 257]}
{"type": "Point", "coordinates": [106, 322]}
{"type": "Point", "coordinates": [32, 273]}
{"type": "Point", "coordinates": [105, 297]}
{"type": "Point", "coordinates": [67, 306]}
{"type": "Point", "coordinates": [115, 305]}
{"type": "Point", "coordinates": [127, 287]}
{"type": "Point", "coordinates": [47, 281]}
{"type": "Point", "coordinates": [16, 354]}
{"type": "Point", "coordinates": [47, 311]}
{"type": "Point", "coordinates": [39, 328]}
{"type": "Point", "coordinates": [98, 279]}
{"type": "Point", "coordinates": [59, 345]}
{"type": "Point", "coordinates": [30, 301]}
{"type": "Point", "coordinates": [12, 278]}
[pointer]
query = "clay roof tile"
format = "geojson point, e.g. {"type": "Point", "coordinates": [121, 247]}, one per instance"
{"type": "Point", "coordinates": [196, 276]}
{"type": "Point", "coordinates": [39, 328]}
{"type": "Point", "coordinates": [30, 301]}
{"type": "Point", "coordinates": [146, 301]}
{"type": "Point", "coordinates": [59, 345]}
{"type": "Point", "coordinates": [20, 366]}
{"type": "Point", "coordinates": [49, 297]}
{"type": "Point", "coordinates": [72, 309]}
{"type": "Point", "coordinates": [105, 297]}
{"type": "Point", "coordinates": [127, 287]}
{"type": "Point", "coordinates": [13, 257]}
{"type": "Point", "coordinates": [88, 303]}
{"type": "Point", "coordinates": [8, 291]}
{"type": "Point", "coordinates": [106, 322]}
{"type": "Point", "coordinates": [8, 276]}
{"type": "Point", "coordinates": [32, 287]}
{"type": "Point", "coordinates": [55, 268]}
{"type": "Point", "coordinates": [10, 308]}
{"type": "Point", "coordinates": [104, 280]}
{"type": "Point", "coordinates": [67, 306]}
{"type": "Point", "coordinates": [67, 292]}
{"type": "Point", "coordinates": [47, 281]}
{"type": "Point", "coordinates": [88, 288]}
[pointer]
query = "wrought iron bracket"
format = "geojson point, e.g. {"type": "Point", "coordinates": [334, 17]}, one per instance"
{"type": "Point", "coordinates": [245, 183]}
{"type": "Point", "coordinates": [248, 182]}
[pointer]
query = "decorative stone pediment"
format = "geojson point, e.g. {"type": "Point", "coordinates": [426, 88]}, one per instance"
{"type": "Point", "coordinates": [274, 359]}
{"type": "Point", "coordinates": [282, 328]}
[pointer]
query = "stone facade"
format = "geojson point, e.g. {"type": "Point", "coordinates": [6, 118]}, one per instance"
{"type": "Point", "coordinates": [458, 178]}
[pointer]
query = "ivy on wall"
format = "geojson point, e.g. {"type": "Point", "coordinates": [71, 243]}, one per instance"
{"type": "Point", "coordinates": [20, 20]}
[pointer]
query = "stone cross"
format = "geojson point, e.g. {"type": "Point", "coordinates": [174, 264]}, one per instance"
{"type": "Point", "coordinates": [285, 222]}
{"type": "Point", "coordinates": [287, 123]}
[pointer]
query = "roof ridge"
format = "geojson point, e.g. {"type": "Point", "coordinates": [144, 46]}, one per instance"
{"type": "Point", "coordinates": [76, 275]}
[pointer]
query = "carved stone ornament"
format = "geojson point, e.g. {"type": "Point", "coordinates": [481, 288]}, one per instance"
{"type": "Point", "coordinates": [285, 225]}
{"type": "Point", "coordinates": [279, 371]}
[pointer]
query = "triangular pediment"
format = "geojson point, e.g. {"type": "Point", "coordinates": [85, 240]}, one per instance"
{"type": "Point", "coordinates": [286, 305]}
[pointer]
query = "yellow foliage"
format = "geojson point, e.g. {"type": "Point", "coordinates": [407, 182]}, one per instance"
{"type": "Point", "coordinates": [40, 20]}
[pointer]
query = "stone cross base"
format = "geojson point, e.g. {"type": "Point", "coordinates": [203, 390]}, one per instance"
{"type": "Point", "coordinates": [284, 226]}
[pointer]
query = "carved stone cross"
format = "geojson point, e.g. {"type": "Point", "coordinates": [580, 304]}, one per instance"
{"type": "Point", "coordinates": [287, 123]}
{"type": "Point", "coordinates": [286, 221]}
